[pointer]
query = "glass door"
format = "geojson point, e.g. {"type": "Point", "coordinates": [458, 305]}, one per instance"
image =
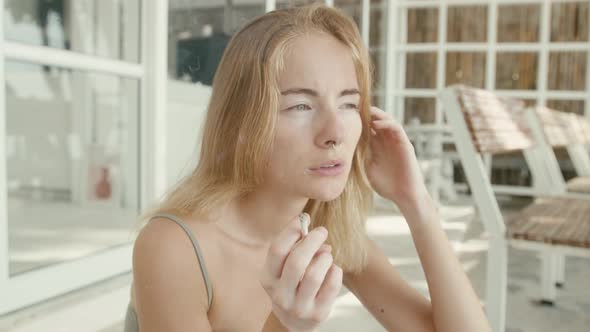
{"type": "Point", "coordinates": [70, 187]}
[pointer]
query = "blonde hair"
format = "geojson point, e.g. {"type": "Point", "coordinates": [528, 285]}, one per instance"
{"type": "Point", "coordinates": [240, 127]}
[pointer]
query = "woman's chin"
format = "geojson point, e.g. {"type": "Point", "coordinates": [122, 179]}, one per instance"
{"type": "Point", "coordinates": [325, 194]}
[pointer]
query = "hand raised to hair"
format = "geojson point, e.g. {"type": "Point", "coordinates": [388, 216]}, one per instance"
{"type": "Point", "coordinates": [393, 169]}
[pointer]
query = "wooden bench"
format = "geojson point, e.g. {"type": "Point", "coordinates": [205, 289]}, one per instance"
{"type": "Point", "coordinates": [554, 129]}
{"type": "Point", "coordinates": [484, 123]}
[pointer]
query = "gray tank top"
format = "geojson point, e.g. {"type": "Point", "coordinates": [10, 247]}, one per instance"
{"type": "Point", "coordinates": [131, 323]}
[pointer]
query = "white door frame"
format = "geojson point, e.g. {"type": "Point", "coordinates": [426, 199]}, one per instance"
{"type": "Point", "coordinates": [43, 283]}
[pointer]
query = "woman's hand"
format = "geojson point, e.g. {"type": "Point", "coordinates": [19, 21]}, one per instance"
{"type": "Point", "coordinates": [393, 169]}
{"type": "Point", "coordinates": [300, 278]}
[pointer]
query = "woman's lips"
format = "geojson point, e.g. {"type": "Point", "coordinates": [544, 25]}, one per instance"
{"type": "Point", "coordinates": [328, 171]}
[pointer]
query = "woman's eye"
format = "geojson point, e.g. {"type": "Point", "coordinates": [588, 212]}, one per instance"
{"type": "Point", "coordinates": [353, 106]}
{"type": "Point", "coordinates": [300, 107]}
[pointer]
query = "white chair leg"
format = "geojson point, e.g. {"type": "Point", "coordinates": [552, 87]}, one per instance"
{"type": "Point", "coordinates": [435, 181]}
{"type": "Point", "coordinates": [560, 271]}
{"type": "Point", "coordinates": [548, 277]}
{"type": "Point", "coordinates": [497, 282]}
{"type": "Point", "coordinates": [448, 188]}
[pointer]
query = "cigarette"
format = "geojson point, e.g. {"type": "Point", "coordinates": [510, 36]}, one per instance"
{"type": "Point", "coordinates": [304, 220]}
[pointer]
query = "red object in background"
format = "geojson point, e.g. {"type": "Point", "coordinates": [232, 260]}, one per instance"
{"type": "Point", "coordinates": [103, 188]}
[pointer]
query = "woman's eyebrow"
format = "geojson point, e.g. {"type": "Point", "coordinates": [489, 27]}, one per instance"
{"type": "Point", "coordinates": [305, 91]}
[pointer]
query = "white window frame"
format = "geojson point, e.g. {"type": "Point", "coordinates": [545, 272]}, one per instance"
{"type": "Point", "coordinates": [401, 47]}
{"type": "Point", "coordinates": [398, 48]}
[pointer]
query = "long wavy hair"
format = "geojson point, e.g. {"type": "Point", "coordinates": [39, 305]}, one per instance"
{"type": "Point", "coordinates": [239, 128]}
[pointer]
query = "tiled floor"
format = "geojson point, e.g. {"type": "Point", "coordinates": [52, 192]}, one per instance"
{"type": "Point", "coordinates": [523, 314]}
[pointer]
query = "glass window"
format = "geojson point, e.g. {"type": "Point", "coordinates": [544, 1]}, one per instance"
{"type": "Point", "coordinates": [466, 68]}
{"type": "Point", "coordinates": [377, 50]}
{"type": "Point", "coordinates": [378, 100]}
{"type": "Point", "coordinates": [422, 109]}
{"type": "Point", "coordinates": [467, 24]}
{"type": "Point", "coordinates": [573, 106]}
{"type": "Point", "coordinates": [422, 25]}
{"type": "Point", "coordinates": [295, 3]}
{"type": "Point", "coordinates": [72, 163]}
{"type": "Point", "coordinates": [377, 29]}
{"type": "Point", "coordinates": [378, 62]}
{"type": "Point", "coordinates": [567, 71]}
{"type": "Point", "coordinates": [106, 28]}
{"type": "Point", "coordinates": [199, 31]}
{"type": "Point", "coordinates": [353, 8]}
{"type": "Point", "coordinates": [516, 70]}
{"type": "Point", "coordinates": [421, 70]}
{"type": "Point", "coordinates": [518, 23]}
{"type": "Point", "coordinates": [569, 21]}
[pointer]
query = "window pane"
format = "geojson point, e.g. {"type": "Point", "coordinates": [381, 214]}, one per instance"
{"type": "Point", "coordinates": [378, 61]}
{"type": "Point", "coordinates": [295, 3]}
{"type": "Point", "coordinates": [467, 24]}
{"type": "Point", "coordinates": [421, 70]}
{"type": "Point", "coordinates": [378, 101]}
{"type": "Point", "coordinates": [516, 71]}
{"type": "Point", "coordinates": [518, 23]}
{"type": "Point", "coordinates": [422, 109]}
{"type": "Point", "coordinates": [352, 8]}
{"type": "Point", "coordinates": [466, 68]}
{"type": "Point", "coordinates": [573, 106]}
{"type": "Point", "coordinates": [569, 21]}
{"type": "Point", "coordinates": [422, 25]}
{"type": "Point", "coordinates": [377, 28]}
{"type": "Point", "coordinates": [567, 71]}
{"type": "Point", "coordinates": [72, 172]}
{"type": "Point", "coordinates": [198, 32]}
{"type": "Point", "coordinates": [106, 28]}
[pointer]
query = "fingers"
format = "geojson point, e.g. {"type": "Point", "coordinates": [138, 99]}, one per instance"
{"type": "Point", "coordinates": [281, 247]}
{"type": "Point", "coordinates": [300, 267]}
{"type": "Point", "coordinates": [382, 120]}
{"type": "Point", "coordinates": [383, 124]}
{"type": "Point", "coordinates": [300, 257]}
{"type": "Point", "coordinates": [313, 280]}
{"type": "Point", "coordinates": [378, 114]}
{"type": "Point", "coordinates": [330, 287]}
{"type": "Point", "coordinates": [389, 125]}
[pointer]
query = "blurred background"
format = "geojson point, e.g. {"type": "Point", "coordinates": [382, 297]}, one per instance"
{"type": "Point", "coordinates": [103, 103]}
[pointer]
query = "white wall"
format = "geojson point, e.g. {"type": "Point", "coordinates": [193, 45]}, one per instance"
{"type": "Point", "coordinates": [187, 106]}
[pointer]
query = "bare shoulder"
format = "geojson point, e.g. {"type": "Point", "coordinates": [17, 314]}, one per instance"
{"type": "Point", "coordinates": [167, 295]}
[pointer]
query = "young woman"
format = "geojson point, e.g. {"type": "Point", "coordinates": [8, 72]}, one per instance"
{"type": "Point", "coordinates": [290, 129]}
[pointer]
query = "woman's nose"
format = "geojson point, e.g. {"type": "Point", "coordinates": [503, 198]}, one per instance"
{"type": "Point", "coordinates": [331, 130]}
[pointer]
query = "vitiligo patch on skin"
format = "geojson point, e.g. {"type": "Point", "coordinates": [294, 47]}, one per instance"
{"type": "Point", "coordinates": [305, 221]}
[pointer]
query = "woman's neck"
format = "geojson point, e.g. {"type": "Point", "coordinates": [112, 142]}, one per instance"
{"type": "Point", "coordinates": [256, 219]}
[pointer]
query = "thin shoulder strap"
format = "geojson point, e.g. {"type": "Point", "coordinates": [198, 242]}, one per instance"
{"type": "Point", "coordinates": [197, 250]}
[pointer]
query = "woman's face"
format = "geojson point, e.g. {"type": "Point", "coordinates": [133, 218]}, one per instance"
{"type": "Point", "coordinates": [319, 121]}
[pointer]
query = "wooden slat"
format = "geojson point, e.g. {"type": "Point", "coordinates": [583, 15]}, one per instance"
{"type": "Point", "coordinates": [563, 221]}
{"type": "Point", "coordinates": [495, 123]}
{"type": "Point", "coordinates": [562, 129]}
{"type": "Point", "coordinates": [582, 129]}
{"type": "Point", "coordinates": [482, 122]}
{"type": "Point", "coordinates": [579, 184]}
